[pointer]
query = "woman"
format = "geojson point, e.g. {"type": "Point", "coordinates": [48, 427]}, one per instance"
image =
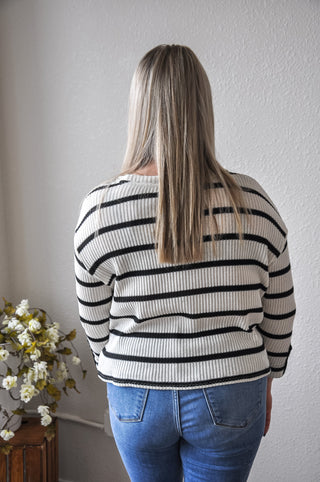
{"type": "Point", "coordinates": [184, 287]}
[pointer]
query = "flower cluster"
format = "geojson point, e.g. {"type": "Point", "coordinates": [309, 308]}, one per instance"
{"type": "Point", "coordinates": [42, 369]}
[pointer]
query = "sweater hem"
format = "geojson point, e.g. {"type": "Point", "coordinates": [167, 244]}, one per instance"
{"type": "Point", "coordinates": [241, 378]}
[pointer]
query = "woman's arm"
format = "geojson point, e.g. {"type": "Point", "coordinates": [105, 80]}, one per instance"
{"type": "Point", "coordinates": [269, 406]}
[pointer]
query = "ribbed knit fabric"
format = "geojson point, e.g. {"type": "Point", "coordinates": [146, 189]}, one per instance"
{"type": "Point", "coordinates": [225, 319]}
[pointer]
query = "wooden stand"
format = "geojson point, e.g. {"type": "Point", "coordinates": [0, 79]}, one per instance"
{"type": "Point", "coordinates": [33, 458]}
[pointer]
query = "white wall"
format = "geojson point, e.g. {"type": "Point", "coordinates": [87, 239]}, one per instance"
{"type": "Point", "coordinates": [4, 273]}
{"type": "Point", "coordinates": [66, 68]}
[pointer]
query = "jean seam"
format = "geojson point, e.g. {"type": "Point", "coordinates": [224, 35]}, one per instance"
{"type": "Point", "coordinates": [176, 411]}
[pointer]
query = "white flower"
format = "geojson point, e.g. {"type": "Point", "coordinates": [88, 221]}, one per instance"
{"type": "Point", "coordinates": [14, 324]}
{"type": "Point", "coordinates": [76, 360]}
{"type": "Point", "coordinates": [43, 410]}
{"type": "Point", "coordinates": [3, 354]}
{"type": "Point", "coordinates": [40, 370]}
{"type": "Point", "coordinates": [58, 376]}
{"type": "Point", "coordinates": [6, 434]}
{"type": "Point", "coordinates": [62, 372]}
{"type": "Point", "coordinates": [46, 420]}
{"type": "Point", "coordinates": [52, 333]}
{"type": "Point", "coordinates": [52, 347]}
{"type": "Point", "coordinates": [9, 382]}
{"type": "Point", "coordinates": [34, 325]}
{"type": "Point", "coordinates": [21, 311]}
{"type": "Point", "coordinates": [27, 392]}
{"type": "Point", "coordinates": [25, 338]}
{"type": "Point", "coordinates": [28, 377]}
{"type": "Point", "coordinates": [24, 303]}
{"type": "Point", "coordinates": [35, 354]}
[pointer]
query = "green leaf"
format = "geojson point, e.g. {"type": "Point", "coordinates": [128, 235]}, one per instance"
{"type": "Point", "coordinates": [6, 449]}
{"type": "Point", "coordinates": [53, 406]}
{"type": "Point", "coordinates": [50, 432]}
{"type": "Point", "coordinates": [19, 411]}
{"type": "Point", "coordinates": [53, 391]}
{"type": "Point", "coordinates": [22, 371]}
{"type": "Point", "coordinates": [71, 336]}
{"type": "Point", "coordinates": [70, 383]}
{"type": "Point", "coordinates": [41, 384]}
{"type": "Point", "coordinates": [65, 351]}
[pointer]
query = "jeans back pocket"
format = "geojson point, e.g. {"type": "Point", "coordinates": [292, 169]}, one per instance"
{"type": "Point", "coordinates": [127, 403]}
{"type": "Point", "coordinates": [237, 404]}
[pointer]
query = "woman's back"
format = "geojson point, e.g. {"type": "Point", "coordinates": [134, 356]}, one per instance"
{"type": "Point", "coordinates": [223, 319]}
{"type": "Point", "coordinates": [184, 287]}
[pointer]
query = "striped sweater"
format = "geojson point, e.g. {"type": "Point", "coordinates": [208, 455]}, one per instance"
{"type": "Point", "coordinates": [223, 320]}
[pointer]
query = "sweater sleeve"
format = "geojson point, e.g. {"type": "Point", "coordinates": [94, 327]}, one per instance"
{"type": "Point", "coordinates": [94, 290]}
{"type": "Point", "coordinates": [279, 310]}
{"type": "Point", "coordinates": [94, 302]}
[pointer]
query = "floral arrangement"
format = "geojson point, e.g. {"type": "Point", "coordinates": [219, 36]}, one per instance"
{"type": "Point", "coordinates": [42, 370]}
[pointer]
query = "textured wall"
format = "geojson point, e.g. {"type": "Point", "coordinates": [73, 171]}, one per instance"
{"type": "Point", "coordinates": [66, 68]}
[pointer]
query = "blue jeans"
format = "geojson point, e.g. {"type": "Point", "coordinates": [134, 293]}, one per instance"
{"type": "Point", "coordinates": [209, 434]}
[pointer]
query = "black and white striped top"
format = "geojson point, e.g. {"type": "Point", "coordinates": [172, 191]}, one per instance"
{"type": "Point", "coordinates": [225, 319]}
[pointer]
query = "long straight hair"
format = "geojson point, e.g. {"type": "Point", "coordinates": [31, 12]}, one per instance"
{"type": "Point", "coordinates": [171, 123]}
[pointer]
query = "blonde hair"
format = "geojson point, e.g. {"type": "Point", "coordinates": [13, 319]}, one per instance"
{"type": "Point", "coordinates": [171, 122]}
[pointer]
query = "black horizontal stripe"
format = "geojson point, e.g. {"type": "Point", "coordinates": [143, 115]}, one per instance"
{"type": "Point", "coordinates": [95, 303]}
{"type": "Point", "coordinates": [257, 193]}
{"type": "Point", "coordinates": [187, 267]}
{"type": "Point", "coordinates": [107, 186]}
{"type": "Point", "coordinates": [246, 237]}
{"type": "Point", "coordinates": [179, 336]}
{"type": "Point", "coordinates": [279, 369]}
{"type": "Point", "coordinates": [280, 272]}
{"type": "Point", "coordinates": [94, 322]}
{"type": "Point", "coordinates": [282, 316]}
{"type": "Point", "coordinates": [114, 227]}
{"type": "Point", "coordinates": [254, 212]}
{"type": "Point", "coordinates": [280, 355]}
{"type": "Point", "coordinates": [94, 355]}
{"type": "Point", "coordinates": [98, 340]}
{"type": "Point", "coordinates": [185, 359]}
{"type": "Point", "coordinates": [89, 285]}
{"type": "Point", "coordinates": [191, 292]}
{"type": "Point", "coordinates": [217, 185]}
{"type": "Point", "coordinates": [192, 316]}
{"type": "Point", "coordinates": [152, 220]}
{"type": "Point", "coordinates": [119, 252]}
{"type": "Point", "coordinates": [275, 296]}
{"type": "Point", "coordinates": [250, 190]}
{"type": "Point", "coordinates": [99, 188]}
{"type": "Point", "coordinates": [80, 263]}
{"type": "Point", "coordinates": [207, 238]}
{"type": "Point", "coordinates": [283, 336]}
{"type": "Point", "coordinates": [113, 202]}
{"type": "Point", "coordinates": [213, 381]}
